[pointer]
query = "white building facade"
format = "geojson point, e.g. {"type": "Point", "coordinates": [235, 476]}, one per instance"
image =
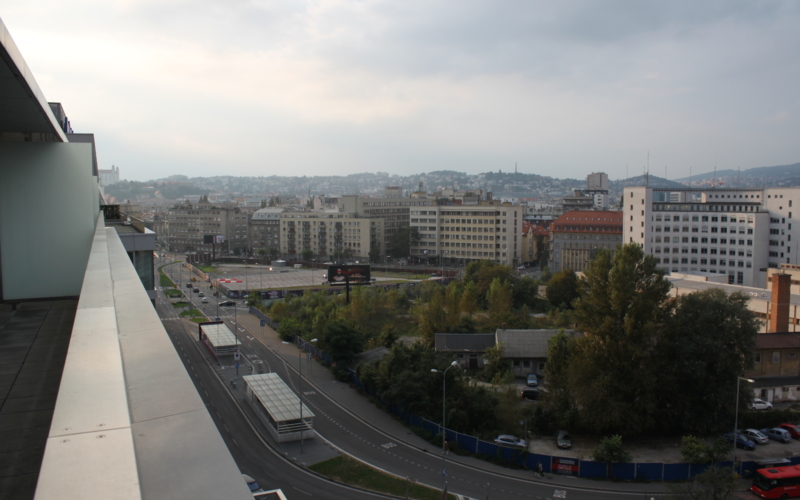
{"type": "Point", "coordinates": [736, 232]}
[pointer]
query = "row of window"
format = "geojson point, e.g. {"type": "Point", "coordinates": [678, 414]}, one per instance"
{"type": "Point", "coordinates": [695, 239]}
{"type": "Point", "coordinates": [710, 262]}
{"type": "Point", "coordinates": [703, 229]}
{"type": "Point", "coordinates": [704, 218]}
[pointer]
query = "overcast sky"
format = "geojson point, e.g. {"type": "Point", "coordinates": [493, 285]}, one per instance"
{"type": "Point", "coordinates": [256, 87]}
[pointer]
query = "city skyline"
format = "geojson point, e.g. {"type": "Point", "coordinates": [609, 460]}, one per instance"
{"type": "Point", "coordinates": [322, 87]}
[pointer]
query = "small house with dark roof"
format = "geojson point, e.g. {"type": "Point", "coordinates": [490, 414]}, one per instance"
{"type": "Point", "coordinates": [467, 348]}
{"type": "Point", "coordinates": [526, 349]}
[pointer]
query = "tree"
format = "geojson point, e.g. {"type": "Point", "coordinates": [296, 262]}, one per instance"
{"type": "Point", "coordinates": [500, 304]}
{"type": "Point", "coordinates": [483, 272]}
{"type": "Point", "coordinates": [342, 343]}
{"type": "Point", "coordinates": [264, 203]}
{"type": "Point", "coordinates": [562, 289]}
{"type": "Point", "coordinates": [715, 483]}
{"type": "Point", "coordinates": [496, 369]}
{"type": "Point", "coordinates": [708, 342]}
{"type": "Point", "coordinates": [696, 451]}
{"type": "Point", "coordinates": [556, 371]}
{"type": "Point", "coordinates": [307, 254]}
{"type": "Point", "coordinates": [621, 310]}
{"type": "Point", "coordinates": [401, 241]}
{"type": "Point", "coordinates": [375, 253]}
{"type": "Point", "coordinates": [469, 299]}
{"type": "Point", "coordinates": [610, 451]}
{"type": "Point", "coordinates": [542, 250]}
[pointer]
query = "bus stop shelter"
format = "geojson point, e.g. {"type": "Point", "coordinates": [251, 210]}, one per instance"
{"type": "Point", "coordinates": [218, 339]}
{"type": "Point", "coordinates": [278, 407]}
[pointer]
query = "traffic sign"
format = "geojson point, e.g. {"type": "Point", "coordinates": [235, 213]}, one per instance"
{"type": "Point", "coordinates": [237, 365]}
{"type": "Point", "coordinates": [263, 322]}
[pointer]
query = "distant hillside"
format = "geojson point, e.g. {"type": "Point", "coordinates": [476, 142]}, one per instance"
{"type": "Point", "coordinates": [773, 174]}
{"type": "Point", "coordinates": [642, 180]}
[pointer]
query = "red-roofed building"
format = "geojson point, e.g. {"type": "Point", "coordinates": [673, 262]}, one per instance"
{"type": "Point", "coordinates": [578, 234]}
{"type": "Point", "coordinates": [530, 242]}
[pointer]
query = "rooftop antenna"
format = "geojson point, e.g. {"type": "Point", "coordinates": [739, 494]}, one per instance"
{"type": "Point", "coordinates": [738, 176]}
{"type": "Point", "coordinates": [690, 175]}
{"type": "Point", "coordinates": [515, 168]}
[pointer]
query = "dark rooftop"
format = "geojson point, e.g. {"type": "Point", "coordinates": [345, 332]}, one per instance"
{"type": "Point", "coordinates": [33, 346]}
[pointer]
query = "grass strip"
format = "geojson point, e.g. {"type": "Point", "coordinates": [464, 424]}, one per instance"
{"type": "Point", "coordinates": [194, 313]}
{"type": "Point", "coordinates": [347, 470]}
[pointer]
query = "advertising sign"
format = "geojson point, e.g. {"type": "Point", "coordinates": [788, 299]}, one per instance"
{"type": "Point", "coordinates": [354, 274]}
{"type": "Point", "coordinates": [565, 466]}
{"type": "Point", "coordinates": [219, 238]}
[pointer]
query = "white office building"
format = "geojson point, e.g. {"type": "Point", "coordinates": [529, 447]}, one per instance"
{"type": "Point", "coordinates": [736, 232]}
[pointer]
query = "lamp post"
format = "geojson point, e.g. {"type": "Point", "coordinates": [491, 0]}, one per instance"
{"type": "Point", "coordinates": [312, 272]}
{"type": "Point", "coordinates": [300, 392]}
{"type": "Point", "coordinates": [444, 435]}
{"type": "Point", "coordinates": [736, 413]}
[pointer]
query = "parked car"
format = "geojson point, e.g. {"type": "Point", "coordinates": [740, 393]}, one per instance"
{"type": "Point", "coordinates": [530, 393]}
{"type": "Point", "coordinates": [777, 434]}
{"type": "Point", "coordinates": [227, 303]}
{"type": "Point", "coordinates": [205, 300]}
{"type": "Point", "coordinates": [741, 441]}
{"type": "Point", "coordinates": [533, 380]}
{"type": "Point", "coordinates": [252, 484]}
{"type": "Point", "coordinates": [563, 440]}
{"type": "Point", "coordinates": [755, 436]}
{"type": "Point", "coordinates": [512, 441]}
{"type": "Point", "coordinates": [793, 430]}
{"type": "Point", "coordinates": [760, 404]}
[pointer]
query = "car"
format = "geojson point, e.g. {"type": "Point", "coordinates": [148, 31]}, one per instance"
{"type": "Point", "coordinates": [530, 393]}
{"type": "Point", "coordinates": [755, 436]}
{"type": "Point", "coordinates": [563, 440]}
{"type": "Point", "coordinates": [205, 300]}
{"type": "Point", "coordinates": [792, 429]}
{"type": "Point", "coordinates": [252, 484]}
{"type": "Point", "coordinates": [533, 380]}
{"type": "Point", "coordinates": [188, 285]}
{"type": "Point", "coordinates": [511, 441]}
{"type": "Point", "coordinates": [777, 434]}
{"type": "Point", "coordinates": [201, 294]}
{"type": "Point", "coordinates": [741, 441]}
{"type": "Point", "coordinates": [227, 303]}
{"type": "Point", "coordinates": [760, 404]}
{"type": "Point", "coordinates": [196, 290]}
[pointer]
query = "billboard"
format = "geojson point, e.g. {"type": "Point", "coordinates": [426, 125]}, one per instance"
{"type": "Point", "coordinates": [219, 238]}
{"type": "Point", "coordinates": [353, 274]}
{"type": "Point", "coordinates": [213, 238]}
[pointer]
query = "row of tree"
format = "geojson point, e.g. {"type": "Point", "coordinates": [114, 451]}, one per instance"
{"type": "Point", "coordinates": [647, 362]}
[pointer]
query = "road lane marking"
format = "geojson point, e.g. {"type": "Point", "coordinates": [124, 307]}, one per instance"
{"type": "Point", "coordinates": [560, 494]}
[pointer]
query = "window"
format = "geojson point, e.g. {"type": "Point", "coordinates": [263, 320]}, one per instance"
{"type": "Point", "coordinates": [776, 356]}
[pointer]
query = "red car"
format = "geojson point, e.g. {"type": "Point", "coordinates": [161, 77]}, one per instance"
{"type": "Point", "coordinates": [792, 429]}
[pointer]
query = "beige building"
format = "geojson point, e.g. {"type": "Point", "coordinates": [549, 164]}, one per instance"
{"type": "Point", "coordinates": [393, 212]}
{"type": "Point", "coordinates": [463, 233]}
{"type": "Point", "coordinates": [265, 230]}
{"type": "Point", "coordinates": [329, 235]}
{"type": "Point", "coordinates": [576, 237]}
{"type": "Point", "coordinates": [187, 224]}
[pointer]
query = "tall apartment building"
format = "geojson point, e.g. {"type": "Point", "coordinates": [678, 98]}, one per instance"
{"type": "Point", "coordinates": [576, 237]}
{"type": "Point", "coordinates": [737, 232]}
{"type": "Point", "coordinates": [265, 229]}
{"type": "Point", "coordinates": [597, 180]}
{"type": "Point", "coordinates": [187, 224]}
{"type": "Point", "coordinates": [393, 212]}
{"type": "Point", "coordinates": [329, 235]}
{"type": "Point", "coordinates": [463, 233]}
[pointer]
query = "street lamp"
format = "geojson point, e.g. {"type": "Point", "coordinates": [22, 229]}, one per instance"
{"type": "Point", "coordinates": [444, 435]}
{"type": "Point", "coordinates": [736, 413]}
{"type": "Point", "coordinates": [300, 392]}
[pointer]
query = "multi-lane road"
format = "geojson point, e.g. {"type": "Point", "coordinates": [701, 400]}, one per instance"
{"type": "Point", "coordinates": [344, 429]}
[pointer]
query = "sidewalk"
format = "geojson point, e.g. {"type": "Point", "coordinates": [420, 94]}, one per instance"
{"type": "Point", "coordinates": [359, 405]}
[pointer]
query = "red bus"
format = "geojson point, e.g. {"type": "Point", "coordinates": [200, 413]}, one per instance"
{"type": "Point", "coordinates": [777, 482]}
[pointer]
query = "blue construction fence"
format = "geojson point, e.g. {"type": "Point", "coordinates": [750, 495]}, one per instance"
{"type": "Point", "coordinates": [562, 465]}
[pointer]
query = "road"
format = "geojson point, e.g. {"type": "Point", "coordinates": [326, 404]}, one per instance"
{"type": "Point", "coordinates": [348, 432]}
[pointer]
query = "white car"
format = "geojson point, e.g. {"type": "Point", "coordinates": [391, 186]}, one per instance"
{"type": "Point", "coordinates": [756, 436]}
{"type": "Point", "coordinates": [512, 441]}
{"type": "Point", "coordinates": [760, 404]}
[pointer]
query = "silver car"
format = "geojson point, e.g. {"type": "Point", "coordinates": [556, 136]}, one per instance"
{"type": "Point", "coordinates": [760, 404]}
{"type": "Point", "coordinates": [756, 436]}
{"type": "Point", "coordinates": [512, 441]}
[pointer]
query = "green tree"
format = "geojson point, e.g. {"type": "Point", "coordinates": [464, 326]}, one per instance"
{"type": "Point", "coordinates": [697, 451]}
{"type": "Point", "coordinates": [542, 250]}
{"type": "Point", "coordinates": [375, 253]}
{"type": "Point", "coordinates": [469, 299]}
{"type": "Point", "coordinates": [621, 310]}
{"type": "Point", "coordinates": [558, 398]}
{"type": "Point", "coordinates": [500, 303]}
{"type": "Point", "coordinates": [708, 342]}
{"type": "Point", "coordinates": [401, 241]}
{"type": "Point", "coordinates": [264, 203]}
{"type": "Point", "coordinates": [483, 272]}
{"type": "Point", "coordinates": [342, 343]}
{"type": "Point", "coordinates": [307, 254]}
{"type": "Point", "coordinates": [496, 368]}
{"type": "Point", "coordinates": [715, 483]}
{"type": "Point", "coordinates": [562, 289]}
{"type": "Point", "coordinates": [610, 451]}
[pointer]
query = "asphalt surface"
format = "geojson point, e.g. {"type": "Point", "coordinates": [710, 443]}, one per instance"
{"type": "Point", "coordinates": [346, 421]}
